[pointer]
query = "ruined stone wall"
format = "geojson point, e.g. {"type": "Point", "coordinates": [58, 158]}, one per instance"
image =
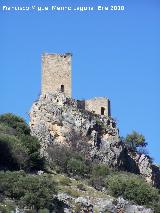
{"type": "Point", "coordinates": [99, 105]}
{"type": "Point", "coordinates": [56, 73]}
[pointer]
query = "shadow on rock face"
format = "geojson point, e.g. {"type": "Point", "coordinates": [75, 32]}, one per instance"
{"type": "Point", "coordinates": [155, 176]}
{"type": "Point", "coordinates": [126, 163]}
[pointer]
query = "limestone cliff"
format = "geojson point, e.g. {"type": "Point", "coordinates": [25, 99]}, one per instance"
{"type": "Point", "coordinates": [55, 118]}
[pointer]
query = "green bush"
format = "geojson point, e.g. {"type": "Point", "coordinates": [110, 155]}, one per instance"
{"type": "Point", "coordinates": [72, 192]}
{"type": "Point", "coordinates": [132, 187]}
{"type": "Point", "coordinates": [28, 190]}
{"type": "Point", "coordinates": [18, 149]}
{"type": "Point", "coordinates": [58, 157]}
{"type": "Point", "coordinates": [98, 175]}
{"type": "Point", "coordinates": [81, 187]}
{"type": "Point", "coordinates": [100, 170]}
{"type": "Point", "coordinates": [7, 206]}
{"type": "Point", "coordinates": [6, 129]}
{"type": "Point", "coordinates": [16, 123]}
{"type": "Point", "coordinates": [65, 181]}
{"type": "Point", "coordinates": [68, 161]}
{"type": "Point", "coordinates": [97, 182]}
{"type": "Point", "coordinates": [13, 154]}
{"type": "Point", "coordinates": [156, 206]}
{"type": "Point", "coordinates": [77, 167]}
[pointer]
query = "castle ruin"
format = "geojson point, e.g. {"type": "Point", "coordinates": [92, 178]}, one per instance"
{"type": "Point", "coordinates": [58, 119]}
{"type": "Point", "coordinates": [57, 77]}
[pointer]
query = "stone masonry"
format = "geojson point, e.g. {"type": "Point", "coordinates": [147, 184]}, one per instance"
{"type": "Point", "coordinates": [57, 77]}
{"type": "Point", "coordinates": [56, 73]}
{"type": "Point", "coordinates": [100, 105]}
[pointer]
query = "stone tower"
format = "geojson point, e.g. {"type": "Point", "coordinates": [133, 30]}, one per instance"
{"type": "Point", "coordinates": [56, 73]}
{"type": "Point", "coordinates": [98, 105]}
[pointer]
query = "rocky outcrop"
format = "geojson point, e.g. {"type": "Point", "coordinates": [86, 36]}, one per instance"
{"type": "Point", "coordinates": [149, 171]}
{"type": "Point", "coordinates": [65, 203]}
{"type": "Point", "coordinates": [55, 118]}
{"type": "Point", "coordinates": [100, 205]}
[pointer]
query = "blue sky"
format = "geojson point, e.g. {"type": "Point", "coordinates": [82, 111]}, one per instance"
{"type": "Point", "coordinates": [115, 54]}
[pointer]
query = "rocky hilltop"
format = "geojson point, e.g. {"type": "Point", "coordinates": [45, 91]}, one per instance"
{"type": "Point", "coordinates": [57, 119]}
